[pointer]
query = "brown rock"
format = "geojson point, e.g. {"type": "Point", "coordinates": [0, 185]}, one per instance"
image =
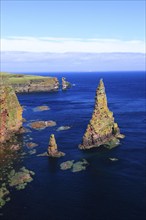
{"type": "Point", "coordinates": [101, 130]}
{"type": "Point", "coordinates": [42, 124]}
{"type": "Point", "coordinates": [23, 130]}
{"type": "Point", "coordinates": [53, 149]}
{"type": "Point", "coordinates": [31, 144]}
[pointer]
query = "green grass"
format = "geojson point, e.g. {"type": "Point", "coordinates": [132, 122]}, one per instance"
{"type": "Point", "coordinates": [20, 78]}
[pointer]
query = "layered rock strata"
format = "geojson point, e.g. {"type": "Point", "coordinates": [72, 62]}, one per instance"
{"type": "Point", "coordinates": [101, 130]}
{"type": "Point", "coordinates": [65, 84]}
{"type": "Point", "coordinates": [53, 149]}
{"type": "Point", "coordinates": [37, 85]}
{"type": "Point", "coordinates": [10, 113]}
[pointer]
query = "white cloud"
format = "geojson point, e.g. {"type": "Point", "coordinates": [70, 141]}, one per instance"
{"type": "Point", "coordinates": [57, 62]}
{"type": "Point", "coordinates": [63, 45]}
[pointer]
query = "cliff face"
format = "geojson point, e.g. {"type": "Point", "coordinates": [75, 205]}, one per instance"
{"type": "Point", "coordinates": [37, 85]}
{"type": "Point", "coordinates": [101, 130]}
{"type": "Point", "coordinates": [10, 113]}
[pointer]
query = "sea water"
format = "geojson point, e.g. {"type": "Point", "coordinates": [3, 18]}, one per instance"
{"type": "Point", "coordinates": [106, 190]}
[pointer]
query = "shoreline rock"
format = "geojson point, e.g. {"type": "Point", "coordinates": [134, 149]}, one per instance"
{"type": "Point", "coordinates": [101, 130]}
{"type": "Point", "coordinates": [31, 144]}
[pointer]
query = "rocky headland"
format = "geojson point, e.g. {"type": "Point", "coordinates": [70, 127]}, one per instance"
{"type": "Point", "coordinates": [31, 83]}
{"type": "Point", "coordinates": [102, 129]}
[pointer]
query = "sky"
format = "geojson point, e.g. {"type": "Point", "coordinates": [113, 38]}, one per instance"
{"type": "Point", "coordinates": [72, 35]}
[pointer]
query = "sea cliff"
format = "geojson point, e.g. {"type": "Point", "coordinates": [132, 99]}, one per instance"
{"type": "Point", "coordinates": [10, 112]}
{"type": "Point", "coordinates": [102, 129]}
{"type": "Point", "coordinates": [31, 83]}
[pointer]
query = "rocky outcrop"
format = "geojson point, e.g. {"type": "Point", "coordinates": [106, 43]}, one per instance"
{"type": "Point", "coordinates": [65, 84]}
{"type": "Point", "coordinates": [38, 125]}
{"type": "Point", "coordinates": [10, 113]}
{"type": "Point", "coordinates": [101, 130]}
{"type": "Point", "coordinates": [32, 83]}
{"type": "Point", "coordinates": [53, 149]}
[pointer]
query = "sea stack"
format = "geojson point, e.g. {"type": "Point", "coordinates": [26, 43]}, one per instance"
{"type": "Point", "coordinates": [53, 149]}
{"type": "Point", "coordinates": [65, 84]}
{"type": "Point", "coordinates": [101, 130]}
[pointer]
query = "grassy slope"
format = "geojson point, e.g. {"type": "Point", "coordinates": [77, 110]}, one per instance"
{"type": "Point", "coordinates": [21, 78]}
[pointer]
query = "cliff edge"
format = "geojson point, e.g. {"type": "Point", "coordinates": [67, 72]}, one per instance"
{"type": "Point", "coordinates": [31, 83]}
{"type": "Point", "coordinates": [101, 130]}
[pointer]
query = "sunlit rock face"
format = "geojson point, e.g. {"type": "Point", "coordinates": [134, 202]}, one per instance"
{"type": "Point", "coordinates": [102, 129]}
{"type": "Point", "coordinates": [37, 85]}
{"type": "Point", "coordinates": [53, 148]}
{"type": "Point", "coordinates": [10, 112]}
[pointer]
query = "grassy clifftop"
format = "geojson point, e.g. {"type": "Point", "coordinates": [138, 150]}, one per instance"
{"type": "Point", "coordinates": [22, 78]}
{"type": "Point", "coordinates": [30, 83]}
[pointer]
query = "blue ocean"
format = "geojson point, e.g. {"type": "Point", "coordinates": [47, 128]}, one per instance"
{"type": "Point", "coordinates": [106, 190]}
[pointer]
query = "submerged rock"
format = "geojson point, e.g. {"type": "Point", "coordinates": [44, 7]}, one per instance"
{"type": "Point", "coordinates": [45, 154]}
{"type": "Point", "coordinates": [65, 84]}
{"type": "Point", "coordinates": [66, 165]}
{"type": "Point", "coordinates": [63, 128]}
{"type": "Point", "coordinates": [31, 152]}
{"type": "Point", "coordinates": [79, 166]}
{"type": "Point", "coordinates": [53, 149]}
{"type": "Point", "coordinates": [31, 144]}
{"type": "Point", "coordinates": [113, 159]}
{"type": "Point", "coordinates": [41, 108]}
{"type": "Point", "coordinates": [4, 195]}
{"type": "Point", "coordinates": [20, 179]}
{"type": "Point", "coordinates": [42, 124]}
{"type": "Point", "coordinates": [75, 167]}
{"type": "Point", "coordinates": [101, 130]}
{"type": "Point", "coordinates": [15, 179]}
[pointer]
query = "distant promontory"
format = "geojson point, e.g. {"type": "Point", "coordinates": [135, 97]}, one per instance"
{"type": "Point", "coordinates": [31, 83]}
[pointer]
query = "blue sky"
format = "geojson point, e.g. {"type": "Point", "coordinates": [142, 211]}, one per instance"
{"type": "Point", "coordinates": [32, 30]}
